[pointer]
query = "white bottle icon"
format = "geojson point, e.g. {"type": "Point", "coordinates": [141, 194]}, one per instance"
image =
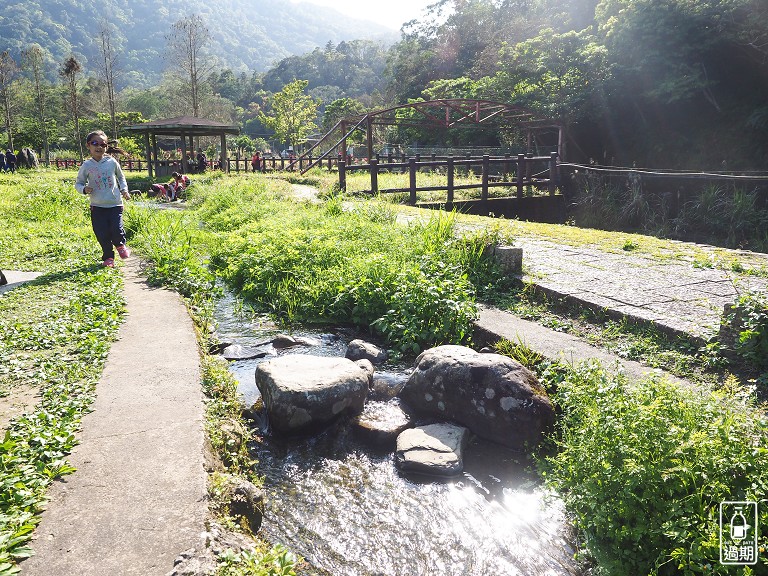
{"type": "Point", "coordinates": [739, 526]}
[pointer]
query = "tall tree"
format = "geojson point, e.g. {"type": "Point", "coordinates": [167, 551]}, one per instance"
{"type": "Point", "coordinates": [108, 70]}
{"type": "Point", "coordinates": [68, 72]}
{"type": "Point", "coordinates": [8, 70]}
{"type": "Point", "coordinates": [186, 43]}
{"type": "Point", "coordinates": [33, 59]}
{"type": "Point", "coordinates": [291, 113]}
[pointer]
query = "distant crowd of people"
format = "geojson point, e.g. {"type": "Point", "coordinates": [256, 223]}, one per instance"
{"type": "Point", "coordinates": [26, 158]}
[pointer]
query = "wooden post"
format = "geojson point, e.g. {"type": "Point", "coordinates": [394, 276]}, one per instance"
{"type": "Point", "coordinates": [449, 184]}
{"type": "Point", "coordinates": [342, 175]}
{"type": "Point", "coordinates": [344, 141]}
{"type": "Point", "coordinates": [374, 164]}
{"type": "Point", "coordinates": [184, 165]}
{"type": "Point", "coordinates": [553, 175]}
{"type": "Point", "coordinates": [224, 157]}
{"type": "Point", "coordinates": [369, 138]}
{"type": "Point", "coordinates": [149, 152]}
{"type": "Point", "coordinates": [520, 173]}
{"type": "Point", "coordinates": [412, 180]}
{"type": "Point", "coordinates": [484, 180]}
{"type": "Point", "coordinates": [529, 172]}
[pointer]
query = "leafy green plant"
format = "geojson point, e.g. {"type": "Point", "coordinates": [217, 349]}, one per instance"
{"type": "Point", "coordinates": [277, 561]}
{"type": "Point", "coordinates": [629, 245]}
{"type": "Point", "coordinates": [643, 467]}
{"type": "Point", "coordinates": [749, 318]}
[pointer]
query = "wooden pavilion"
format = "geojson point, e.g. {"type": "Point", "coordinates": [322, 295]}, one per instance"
{"type": "Point", "coordinates": [185, 128]}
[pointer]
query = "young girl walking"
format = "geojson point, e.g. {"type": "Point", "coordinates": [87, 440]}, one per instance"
{"type": "Point", "coordinates": [101, 178]}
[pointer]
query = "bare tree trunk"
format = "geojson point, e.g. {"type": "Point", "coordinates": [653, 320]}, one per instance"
{"type": "Point", "coordinates": [8, 69]}
{"type": "Point", "coordinates": [69, 71]}
{"type": "Point", "coordinates": [108, 71]}
{"type": "Point", "coordinates": [186, 41]}
{"type": "Point", "coordinates": [33, 57]}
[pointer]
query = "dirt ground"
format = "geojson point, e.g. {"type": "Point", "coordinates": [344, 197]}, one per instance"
{"type": "Point", "coordinates": [20, 399]}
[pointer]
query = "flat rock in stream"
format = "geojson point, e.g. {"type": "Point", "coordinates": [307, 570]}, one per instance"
{"type": "Point", "coordinates": [381, 422]}
{"type": "Point", "coordinates": [235, 352]}
{"type": "Point", "coordinates": [435, 449]}
{"type": "Point", "coordinates": [301, 391]}
{"type": "Point", "coordinates": [287, 341]}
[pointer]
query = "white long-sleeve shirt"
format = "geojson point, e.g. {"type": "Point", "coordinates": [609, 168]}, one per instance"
{"type": "Point", "coordinates": [107, 180]}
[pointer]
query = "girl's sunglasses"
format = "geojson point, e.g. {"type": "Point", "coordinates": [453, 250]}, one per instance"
{"type": "Point", "coordinates": [97, 143]}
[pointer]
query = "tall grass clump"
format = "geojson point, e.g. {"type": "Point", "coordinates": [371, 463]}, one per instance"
{"type": "Point", "coordinates": [726, 216]}
{"type": "Point", "coordinates": [174, 249]}
{"type": "Point", "coordinates": [321, 263]}
{"type": "Point", "coordinates": [643, 467]}
{"type": "Point", "coordinates": [731, 217]}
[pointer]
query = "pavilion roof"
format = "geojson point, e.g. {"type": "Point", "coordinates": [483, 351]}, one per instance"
{"type": "Point", "coordinates": [184, 125]}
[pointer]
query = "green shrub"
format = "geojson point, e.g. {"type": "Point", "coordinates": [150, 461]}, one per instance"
{"type": "Point", "coordinates": [643, 468]}
{"type": "Point", "coordinates": [277, 561]}
{"type": "Point", "coordinates": [749, 318]}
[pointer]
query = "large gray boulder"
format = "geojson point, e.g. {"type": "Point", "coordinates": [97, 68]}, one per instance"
{"type": "Point", "coordinates": [302, 391]}
{"type": "Point", "coordinates": [435, 449]}
{"type": "Point", "coordinates": [494, 396]}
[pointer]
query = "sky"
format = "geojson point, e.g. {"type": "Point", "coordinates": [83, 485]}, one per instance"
{"type": "Point", "coordinates": [391, 13]}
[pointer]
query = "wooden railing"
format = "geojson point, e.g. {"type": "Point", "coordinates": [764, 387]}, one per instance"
{"type": "Point", "coordinates": [523, 172]}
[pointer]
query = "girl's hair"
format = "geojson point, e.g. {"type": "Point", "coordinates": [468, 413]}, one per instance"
{"type": "Point", "coordinates": [96, 133]}
{"type": "Point", "coordinates": [113, 148]}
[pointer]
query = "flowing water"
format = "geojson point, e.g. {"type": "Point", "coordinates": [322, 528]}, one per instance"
{"type": "Point", "coordinates": [344, 507]}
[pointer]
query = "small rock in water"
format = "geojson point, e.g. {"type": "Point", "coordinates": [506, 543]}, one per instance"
{"type": "Point", "coordinates": [362, 350]}
{"type": "Point", "coordinates": [218, 347]}
{"type": "Point", "coordinates": [380, 423]}
{"type": "Point", "coordinates": [286, 341]}
{"type": "Point", "coordinates": [237, 352]}
{"type": "Point", "coordinates": [369, 369]}
{"type": "Point", "coordinates": [435, 449]}
{"type": "Point", "coordinates": [386, 386]}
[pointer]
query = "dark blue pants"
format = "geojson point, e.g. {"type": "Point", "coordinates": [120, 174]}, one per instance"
{"type": "Point", "coordinates": [107, 224]}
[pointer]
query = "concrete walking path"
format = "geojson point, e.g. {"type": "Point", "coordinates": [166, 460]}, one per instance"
{"type": "Point", "coordinates": [494, 324]}
{"type": "Point", "coordinates": [677, 296]}
{"type": "Point", "coordinates": [138, 497]}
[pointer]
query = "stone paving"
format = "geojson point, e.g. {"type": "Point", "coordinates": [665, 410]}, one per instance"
{"type": "Point", "coordinates": [676, 296]}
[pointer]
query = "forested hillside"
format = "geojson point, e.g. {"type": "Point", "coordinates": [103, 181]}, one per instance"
{"type": "Point", "coordinates": [248, 35]}
{"type": "Point", "coordinates": [668, 84]}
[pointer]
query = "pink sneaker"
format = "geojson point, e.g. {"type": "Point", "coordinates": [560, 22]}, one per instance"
{"type": "Point", "coordinates": [109, 263]}
{"type": "Point", "coordinates": [124, 251]}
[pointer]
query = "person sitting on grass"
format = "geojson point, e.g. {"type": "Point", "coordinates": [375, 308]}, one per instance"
{"type": "Point", "coordinates": [178, 185]}
{"type": "Point", "coordinates": [162, 191]}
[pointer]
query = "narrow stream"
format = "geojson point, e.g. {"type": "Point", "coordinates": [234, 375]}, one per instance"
{"type": "Point", "coordinates": [344, 507]}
